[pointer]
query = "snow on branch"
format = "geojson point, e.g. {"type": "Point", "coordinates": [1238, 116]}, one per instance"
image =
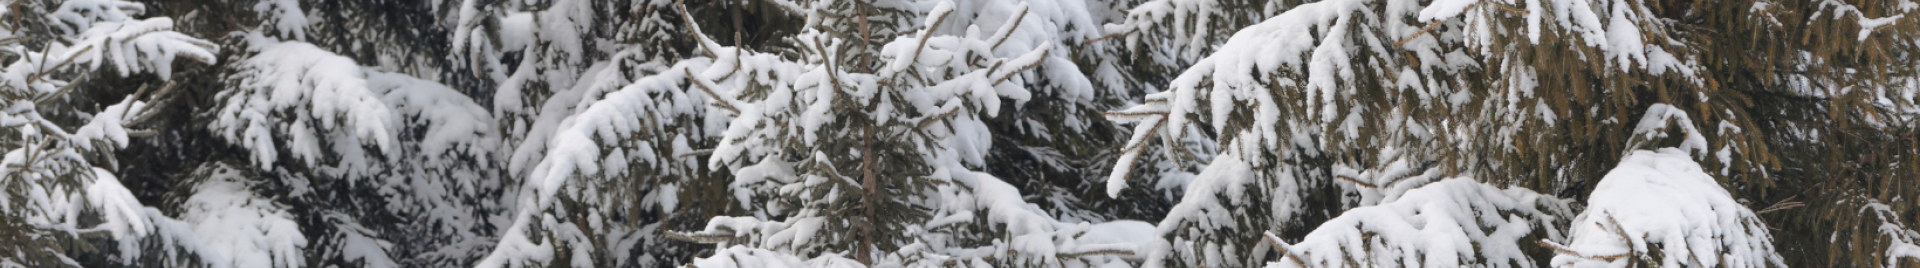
{"type": "Point", "coordinates": [1660, 120]}
{"type": "Point", "coordinates": [1660, 208]}
{"type": "Point", "coordinates": [296, 97]}
{"type": "Point", "coordinates": [1360, 75]}
{"type": "Point", "coordinates": [50, 167]}
{"type": "Point", "coordinates": [614, 133]}
{"type": "Point", "coordinates": [252, 230]}
{"type": "Point", "coordinates": [102, 31]}
{"type": "Point", "coordinates": [1230, 196]}
{"type": "Point", "coordinates": [1454, 222]}
{"type": "Point", "coordinates": [1903, 242]}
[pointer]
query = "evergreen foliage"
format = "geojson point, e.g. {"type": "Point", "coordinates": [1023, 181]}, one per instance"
{"type": "Point", "coordinates": [941, 133]}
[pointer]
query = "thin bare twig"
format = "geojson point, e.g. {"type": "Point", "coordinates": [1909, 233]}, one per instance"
{"type": "Point", "coordinates": [1043, 54]}
{"type": "Point", "coordinates": [1283, 248]}
{"type": "Point", "coordinates": [63, 90]}
{"type": "Point", "coordinates": [725, 103]}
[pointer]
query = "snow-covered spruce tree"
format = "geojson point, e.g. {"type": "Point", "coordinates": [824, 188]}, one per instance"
{"type": "Point", "coordinates": [1838, 96]}
{"type": "Point", "coordinates": [857, 153]}
{"type": "Point", "coordinates": [64, 207]}
{"type": "Point", "coordinates": [654, 176]}
{"type": "Point", "coordinates": [1055, 144]}
{"type": "Point", "coordinates": [602, 129]}
{"type": "Point", "coordinates": [1541, 95]}
{"type": "Point", "coordinates": [380, 169]}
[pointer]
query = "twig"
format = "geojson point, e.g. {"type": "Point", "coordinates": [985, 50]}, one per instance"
{"type": "Point", "coordinates": [1076, 255]}
{"type": "Point", "coordinates": [827, 59]}
{"type": "Point", "coordinates": [694, 28]}
{"type": "Point", "coordinates": [1134, 149]}
{"type": "Point", "coordinates": [142, 133]}
{"type": "Point", "coordinates": [927, 35]}
{"type": "Point", "coordinates": [1015, 24]}
{"type": "Point", "coordinates": [1105, 37]}
{"type": "Point", "coordinates": [924, 123]}
{"type": "Point", "coordinates": [699, 237]}
{"type": "Point", "coordinates": [1423, 30]}
{"type": "Point", "coordinates": [699, 152]}
{"type": "Point", "coordinates": [63, 90]}
{"type": "Point", "coordinates": [152, 103]}
{"type": "Point", "coordinates": [1356, 181]}
{"type": "Point", "coordinates": [1289, 252]}
{"type": "Point", "coordinates": [1043, 54]}
{"type": "Point", "coordinates": [40, 72]}
{"type": "Point", "coordinates": [1783, 205]}
{"type": "Point", "coordinates": [1567, 251]}
{"type": "Point", "coordinates": [1511, 8]}
{"type": "Point", "coordinates": [724, 102]}
{"type": "Point", "coordinates": [12, 40]}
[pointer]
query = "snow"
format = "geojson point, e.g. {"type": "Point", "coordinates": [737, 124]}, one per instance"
{"type": "Point", "coordinates": [454, 124]}
{"type": "Point", "coordinates": [588, 125]}
{"type": "Point", "coordinates": [1445, 9]}
{"type": "Point", "coordinates": [318, 91]}
{"type": "Point", "coordinates": [121, 214]}
{"type": "Point", "coordinates": [368, 251]}
{"type": "Point", "coordinates": [285, 16]}
{"type": "Point", "coordinates": [744, 257]}
{"type": "Point", "coordinates": [787, 117]}
{"type": "Point", "coordinates": [1662, 202]}
{"type": "Point", "coordinates": [1654, 127]}
{"type": "Point", "coordinates": [1455, 222]}
{"type": "Point", "coordinates": [608, 127]}
{"type": "Point", "coordinates": [52, 178]}
{"type": "Point", "coordinates": [234, 221]}
{"type": "Point", "coordinates": [103, 31]}
{"type": "Point", "coordinates": [1217, 200]}
{"type": "Point", "coordinates": [1903, 242]}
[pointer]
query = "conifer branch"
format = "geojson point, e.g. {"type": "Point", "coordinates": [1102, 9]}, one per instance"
{"type": "Point", "coordinates": [42, 101]}
{"type": "Point", "coordinates": [1356, 181]}
{"type": "Point", "coordinates": [1423, 30]}
{"type": "Point", "coordinates": [1283, 248]}
{"type": "Point", "coordinates": [694, 29]}
{"type": "Point", "coordinates": [927, 122]}
{"type": "Point", "coordinates": [1783, 205]}
{"type": "Point", "coordinates": [12, 40]}
{"type": "Point", "coordinates": [43, 70]}
{"type": "Point", "coordinates": [1022, 69]}
{"type": "Point", "coordinates": [1007, 30]}
{"type": "Point", "coordinates": [1097, 252]}
{"type": "Point", "coordinates": [142, 133]}
{"type": "Point", "coordinates": [148, 112]}
{"type": "Point", "coordinates": [725, 103]}
{"type": "Point", "coordinates": [704, 237]}
{"type": "Point", "coordinates": [1570, 252]}
{"type": "Point", "coordinates": [1510, 8]}
{"type": "Point", "coordinates": [700, 152]}
{"type": "Point", "coordinates": [827, 63]}
{"type": "Point", "coordinates": [1132, 151]}
{"type": "Point", "coordinates": [1429, 27]}
{"type": "Point", "coordinates": [1105, 37]}
{"type": "Point", "coordinates": [924, 35]}
{"type": "Point", "coordinates": [1125, 114]}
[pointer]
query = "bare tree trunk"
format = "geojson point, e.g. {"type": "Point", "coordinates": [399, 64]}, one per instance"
{"type": "Point", "coordinates": [869, 182]}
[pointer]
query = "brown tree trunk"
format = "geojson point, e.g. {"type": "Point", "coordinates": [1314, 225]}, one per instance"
{"type": "Point", "coordinates": [869, 182]}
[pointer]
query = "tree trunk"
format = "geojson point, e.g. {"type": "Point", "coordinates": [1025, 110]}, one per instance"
{"type": "Point", "coordinates": [869, 182]}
